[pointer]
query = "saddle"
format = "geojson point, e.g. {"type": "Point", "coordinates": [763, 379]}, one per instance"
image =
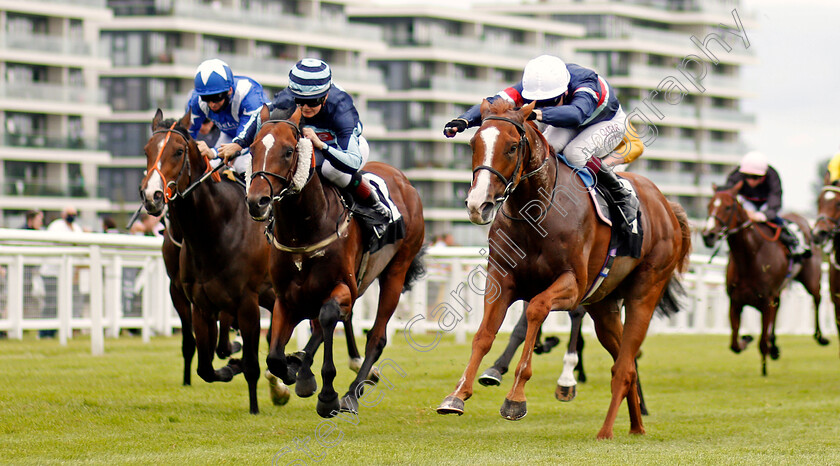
{"type": "Point", "coordinates": [605, 209]}
{"type": "Point", "coordinates": [394, 225]}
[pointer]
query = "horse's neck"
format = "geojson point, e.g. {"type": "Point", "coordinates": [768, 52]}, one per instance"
{"type": "Point", "coordinates": [745, 243]}
{"type": "Point", "coordinates": [541, 184]}
{"type": "Point", "coordinates": [302, 217]}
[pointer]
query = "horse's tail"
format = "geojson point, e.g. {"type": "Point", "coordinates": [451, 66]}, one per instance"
{"type": "Point", "coordinates": [669, 304]}
{"type": "Point", "coordinates": [416, 270]}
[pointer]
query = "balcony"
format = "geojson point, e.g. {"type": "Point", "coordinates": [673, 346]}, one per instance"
{"type": "Point", "coordinates": [43, 189]}
{"type": "Point", "coordinates": [274, 18]}
{"type": "Point", "coordinates": [52, 93]}
{"type": "Point", "coordinates": [657, 73]}
{"type": "Point", "coordinates": [41, 141]}
{"type": "Point", "coordinates": [44, 43]}
{"type": "Point", "coordinates": [472, 45]}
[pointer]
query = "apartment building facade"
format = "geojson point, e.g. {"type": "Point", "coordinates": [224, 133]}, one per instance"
{"type": "Point", "coordinates": [410, 68]}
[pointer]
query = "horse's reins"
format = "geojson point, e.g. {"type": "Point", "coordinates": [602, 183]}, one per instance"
{"type": "Point", "coordinates": [512, 183]}
{"type": "Point", "coordinates": [726, 231]}
{"type": "Point", "coordinates": [167, 192]}
{"type": "Point", "coordinates": [340, 227]}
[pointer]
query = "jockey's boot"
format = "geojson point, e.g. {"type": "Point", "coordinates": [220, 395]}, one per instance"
{"type": "Point", "coordinates": [622, 197]}
{"type": "Point", "coordinates": [367, 196]}
{"type": "Point", "coordinates": [793, 238]}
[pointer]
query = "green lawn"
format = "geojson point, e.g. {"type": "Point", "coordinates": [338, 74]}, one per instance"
{"type": "Point", "coordinates": [708, 406]}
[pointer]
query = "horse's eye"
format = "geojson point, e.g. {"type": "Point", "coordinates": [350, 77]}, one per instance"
{"type": "Point", "coordinates": [513, 149]}
{"type": "Point", "coordinates": [288, 153]}
{"type": "Point", "coordinates": [179, 152]}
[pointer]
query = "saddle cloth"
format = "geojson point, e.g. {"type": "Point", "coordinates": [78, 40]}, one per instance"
{"type": "Point", "coordinates": [394, 226]}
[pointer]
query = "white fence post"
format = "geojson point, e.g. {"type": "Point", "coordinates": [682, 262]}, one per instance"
{"type": "Point", "coordinates": [15, 298]}
{"type": "Point", "coordinates": [64, 290]}
{"type": "Point", "coordinates": [97, 343]}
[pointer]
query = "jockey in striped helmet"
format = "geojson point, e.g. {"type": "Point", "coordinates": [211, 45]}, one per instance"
{"type": "Point", "coordinates": [330, 120]}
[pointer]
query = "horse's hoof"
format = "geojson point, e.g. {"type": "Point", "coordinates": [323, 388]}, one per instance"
{"type": "Point", "coordinates": [565, 393]}
{"type": "Point", "coordinates": [822, 341]}
{"type": "Point", "coordinates": [451, 405]}
{"type": "Point", "coordinates": [349, 405]}
{"type": "Point", "coordinates": [305, 388]}
{"type": "Point", "coordinates": [513, 410]}
{"type": "Point", "coordinates": [374, 374]}
{"type": "Point", "coordinates": [278, 390]}
{"type": "Point", "coordinates": [235, 346]}
{"type": "Point", "coordinates": [775, 352]}
{"type": "Point", "coordinates": [295, 360]}
{"type": "Point", "coordinates": [491, 378]}
{"type": "Point", "coordinates": [355, 364]}
{"type": "Point", "coordinates": [328, 406]}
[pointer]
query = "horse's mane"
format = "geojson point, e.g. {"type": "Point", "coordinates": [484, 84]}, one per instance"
{"type": "Point", "coordinates": [167, 123]}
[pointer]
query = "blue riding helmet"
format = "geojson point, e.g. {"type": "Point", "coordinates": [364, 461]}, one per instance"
{"type": "Point", "coordinates": [310, 78]}
{"type": "Point", "coordinates": [213, 77]}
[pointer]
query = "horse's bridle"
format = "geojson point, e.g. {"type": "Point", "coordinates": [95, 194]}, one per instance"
{"type": "Point", "coordinates": [522, 146]}
{"type": "Point", "coordinates": [833, 221]}
{"type": "Point", "coordinates": [289, 189]}
{"type": "Point", "coordinates": [167, 190]}
{"type": "Point", "coordinates": [726, 231]}
{"type": "Point", "coordinates": [286, 181]}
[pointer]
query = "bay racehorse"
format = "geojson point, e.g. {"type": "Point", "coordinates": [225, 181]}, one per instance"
{"type": "Point", "coordinates": [827, 229]}
{"type": "Point", "coordinates": [171, 252]}
{"type": "Point", "coordinates": [223, 260]}
{"type": "Point", "coordinates": [554, 265]}
{"type": "Point", "coordinates": [760, 266]}
{"type": "Point", "coordinates": [319, 266]}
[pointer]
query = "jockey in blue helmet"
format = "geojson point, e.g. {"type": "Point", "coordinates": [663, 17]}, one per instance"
{"type": "Point", "coordinates": [329, 119]}
{"type": "Point", "coordinates": [227, 100]}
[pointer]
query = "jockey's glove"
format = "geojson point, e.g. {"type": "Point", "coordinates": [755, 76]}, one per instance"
{"type": "Point", "coordinates": [458, 125]}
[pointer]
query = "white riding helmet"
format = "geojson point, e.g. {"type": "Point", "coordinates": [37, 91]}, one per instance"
{"type": "Point", "coordinates": [545, 77]}
{"type": "Point", "coordinates": [754, 163]}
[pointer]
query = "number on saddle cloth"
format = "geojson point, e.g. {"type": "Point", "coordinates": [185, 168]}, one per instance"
{"type": "Point", "coordinates": [394, 229]}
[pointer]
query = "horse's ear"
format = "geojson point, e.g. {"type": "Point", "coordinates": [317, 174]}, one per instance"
{"type": "Point", "coordinates": [735, 189]}
{"type": "Point", "coordinates": [827, 178]}
{"type": "Point", "coordinates": [295, 118]}
{"type": "Point", "coordinates": [485, 107]}
{"type": "Point", "coordinates": [264, 114]}
{"type": "Point", "coordinates": [714, 187]}
{"type": "Point", "coordinates": [527, 109]}
{"type": "Point", "coordinates": [186, 120]}
{"type": "Point", "coordinates": [156, 120]}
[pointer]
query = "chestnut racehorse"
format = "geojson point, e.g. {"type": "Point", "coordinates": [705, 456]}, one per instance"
{"type": "Point", "coordinates": [554, 263]}
{"type": "Point", "coordinates": [827, 229]}
{"type": "Point", "coordinates": [318, 263]}
{"type": "Point", "coordinates": [759, 268]}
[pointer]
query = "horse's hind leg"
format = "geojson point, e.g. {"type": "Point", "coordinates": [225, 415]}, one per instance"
{"type": "Point", "coordinates": [249, 325]}
{"type": "Point", "coordinates": [391, 281]}
{"type": "Point", "coordinates": [225, 347]}
{"type": "Point", "coordinates": [493, 375]}
{"type": "Point", "coordinates": [355, 359]}
{"type": "Point", "coordinates": [566, 384]}
{"type": "Point", "coordinates": [809, 277]}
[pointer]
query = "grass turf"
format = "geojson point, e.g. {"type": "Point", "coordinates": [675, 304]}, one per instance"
{"type": "Point", "coordinates": [708, 406]}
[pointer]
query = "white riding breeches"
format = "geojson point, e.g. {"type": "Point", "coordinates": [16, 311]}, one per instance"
{"type": "Point", "coordinates": [240, 164]}
{"type": "Point", "coordinates": [597, 140]}
{"type": "Point", "coordinates": [341, 178]}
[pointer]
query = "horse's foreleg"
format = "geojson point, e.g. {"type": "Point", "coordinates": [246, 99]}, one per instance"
{"type": "Point", "coordinates": [205, 337]}
{"type": "Point", "coordinates": [495, 308]}
{"type": "Point", "coordinates": [249, 326]}
{"type": "Point", "coordinates": [184, 309]}
{"type": "Point", "coordinates": [608, 329]}
{"type": "Point", "coordinates": [562, 294]}
{"type": "Point", "coordinates": [225, 348]}
{"type": "Point", "coordinates": [331, 312]}
{"type": "Point", "coordinates": [281, 331]}
{"type": "Point", "coordinates": [493, 375]}
{"type": "Point", "coordinates": [767, 345]}
{"type": "Point", "coordinates": [736, 345]}
{"type": "Point", "coordinates": [300, 363]}
{"type": "Point", "coordinates": [566, 384]}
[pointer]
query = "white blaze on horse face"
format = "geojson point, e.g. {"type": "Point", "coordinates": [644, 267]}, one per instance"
{"type": "Point", "coordinates": [829, 195]}
{"type": "Point", "coordinates": [155, 182]}
{"type": "Point", "coordinates": [479, 193]}
{"type": "Point", "coordinates": [268, 143]}
{"type": "Point", "coordinates": [710, 223]}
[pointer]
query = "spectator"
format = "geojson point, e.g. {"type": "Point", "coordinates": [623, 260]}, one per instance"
{"type": "Point", "coordinates": [49, 272]}
{"type": "Point", "coordinates": [109, 225]}
{"type": "Point", "coordinates": [148, 225]}
{"type": "Point", "coordinates": [34, 220]}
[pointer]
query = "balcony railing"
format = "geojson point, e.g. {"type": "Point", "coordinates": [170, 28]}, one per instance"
{"type": "Point", "coordinates": [44, 43]}
{"type": "Point", "coordinates": [52, 93]}
{"type": "Point", "coordinates": [43, 189]}
{"type": "Point", "coordinates": [37, 140]}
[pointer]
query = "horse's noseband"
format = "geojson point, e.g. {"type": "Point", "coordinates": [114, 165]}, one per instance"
{"type": "Point", "coordinates": [167, 193]}
{"type": "Point", "coordinates": [284, 180]}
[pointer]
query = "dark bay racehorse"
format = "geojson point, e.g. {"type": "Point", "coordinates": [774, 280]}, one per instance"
{"type": "Point", "coordinates": [318, 265]}
{"type": "Point", "coordinates": [827, 229]}
{"type": "Point", "coordinates": [171, 251]}
{"type": "Point", "coordinates": [554, 266]}
{"type": "Point", "coordinates": [224, 258]}
{"type": "Point", "coordinates": [759, 268]}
